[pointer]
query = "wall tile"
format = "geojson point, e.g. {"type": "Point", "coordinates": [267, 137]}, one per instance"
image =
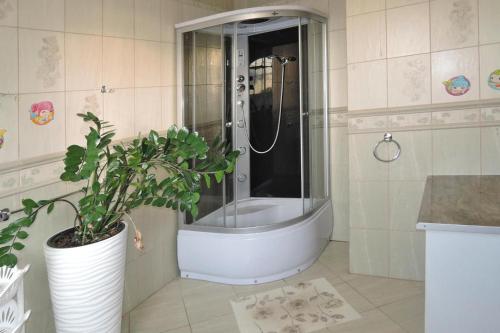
{"type": "Point", "coordinates": [400, 3]}
{"type": "Point", "coordinates": [415, 161]}
{"type": "Point", "coordinates": [148, 19]}
{"type": "Point", "coordinates": [456, 151]}
{"type": "Point", "coordinates": [451, 64]}
{"type": "Point", "coordinates": [9, 131]}
{"type": "Point", "coordinates": [8, 13]}
{"type": "Point", "coordinates": [409, 80]}
{"type": "Point", "coordinates": [338, 88]}
{"type": "Point", "coordinates": [368, 123]}
{"type": "Point", "coordinates": [168, 64]}
{"type": "Point", "coordinates": [368, 202]}
{"type": "Point", "coordinates": [408, 30]}
{"type": "Point", "coordinates": [468, 116]}
{"type": "Point", "coordinates": [118, 60]}
{"type": "Point", "coordinates": [319, 5]}
{"type": "Point", "coordinates": [41, 61]}
{"type": "Point", "coordinates": [362, 164]}
{"type": "Point", "coordinates": [355, 7]}
{"type": "Point", "coordinates": [407, 255]}
{"type": "Point", "coordinates": [147, 63]}
{"type": "Point", "coordinates": [168, 106]}
{"type": "Point", "coordinates": [147, 114]}
{"type": "Point", "coordinates": [399, 121]}
{"type": "Point", "coordinates": [337, 15]}
{"type": "Point", "coordinates": [404, 204]}
{"type": "Point", "coordinates": [366, 37]}
{"type": "Point", "coordinates": [119, 110]}
{"type": "Point", "coordinates": [83, 62]}
{"type": "Point", "coordinates": [9, 181]}
{"type": "Point", "coordinates": [118, 18]}
{"type": "Point", "coordinates": [8, 61]}
{"type": "Point", "coordinates": [489, 56]}
{"type": "Point", "coordinates": [39, 140]}
{"type": "Point", "coordinates": [170, 15]}
{"type": "Point", "coordinates": [454, 24]}
{"type": "Point", "coordinates": [84, 16]}
{"type": "Point", "coordinates": [490, 151]}
{"type": "Point", "coordinates": [81, 102]}
{"type": "Point", "coordinates": [338, 49]}
{"type": "Point", "coordinates": [489, 25]}
{"type": "Point", "coordinates": [369, 252]}
{"type": "Point", "coordinates": [41, 174]}
{"type": "Point", "coordinates": [490, 114]}
{"type": "Point", "coordinates": [367, 85]}
{"type": "Point", "coordinates": [42, 14]}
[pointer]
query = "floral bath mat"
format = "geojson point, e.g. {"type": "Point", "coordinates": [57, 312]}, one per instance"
{"type": "Point", "coordinates": [302, 308]}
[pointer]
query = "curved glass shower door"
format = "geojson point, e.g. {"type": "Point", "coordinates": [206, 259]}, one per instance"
{"type": "Point", "coordinates": [260, 84]}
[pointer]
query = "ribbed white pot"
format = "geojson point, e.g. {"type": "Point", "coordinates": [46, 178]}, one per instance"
{"type": "Point", "coordinates": [86, 285]}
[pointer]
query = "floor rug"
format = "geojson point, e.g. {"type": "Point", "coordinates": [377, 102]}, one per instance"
{"type": "Point", "coordinates": [302, 308]}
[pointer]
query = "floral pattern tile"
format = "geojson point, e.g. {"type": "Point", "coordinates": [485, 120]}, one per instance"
{"type": "Point", "coordinates": [301, 308]}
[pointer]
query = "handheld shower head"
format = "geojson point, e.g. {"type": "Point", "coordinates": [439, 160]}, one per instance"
{"type": "Point", "coordinates": [283, 60]}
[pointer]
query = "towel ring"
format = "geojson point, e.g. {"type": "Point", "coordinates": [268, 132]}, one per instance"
{"type": "Point", "coordinates": [387, 139]}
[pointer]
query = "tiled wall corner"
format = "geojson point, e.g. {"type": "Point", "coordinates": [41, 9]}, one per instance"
{"type": "Point", "coordinates": [441, 56]}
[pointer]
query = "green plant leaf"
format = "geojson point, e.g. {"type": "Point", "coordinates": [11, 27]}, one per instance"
{"type": "Point", "coordinates": [8, 259]}
{"type": "Point", "coordinates": [6, 238]}
{"type": "Point", "coordinates": [219, 175]}
{"type": "Point", "coordinates": [50, 208]}
{"type": "Point", "coordinates": [18, 246]}
{"type": "Point", "coordinates": [22, 234]}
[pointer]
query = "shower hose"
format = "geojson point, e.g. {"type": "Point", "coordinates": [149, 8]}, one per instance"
{"type": "Point", "coordinates": [283, 66]}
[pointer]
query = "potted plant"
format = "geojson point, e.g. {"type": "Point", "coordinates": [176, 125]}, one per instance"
{"type": "Point", "coordinates": [86, 263]}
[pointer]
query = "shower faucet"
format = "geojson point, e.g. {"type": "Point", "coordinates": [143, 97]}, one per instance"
{"type": "Point", "coordinates": [240, 87]}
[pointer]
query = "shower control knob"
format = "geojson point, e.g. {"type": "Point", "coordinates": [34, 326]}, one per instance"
{"type": "Point", "coordinates": [242, 150]}
{"type": "Point", "coordinates": [229, 124]}
{"type": "Point", "coordinates": [241, 124]}
{"type": "Point", "coordinates": [241, 78]}
{"type": "Point", "coordinates": [240, 88]}
{"type": "Point", "coordinates": [242, 177]}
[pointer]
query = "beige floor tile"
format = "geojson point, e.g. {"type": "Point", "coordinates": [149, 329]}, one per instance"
{"type": "Point", "coordinates": [257, 288]}
{"type": "Point", "coordinates": [381, 291]}
{"type": "Point", "coordinates": [373, 321]}
{"type": "Point", "coordinates": [408, 313]}
{"type": "Point", "coordinates": [158, 318]}
{"type": "Point", "coordinates": [202, 311]}
{"type": "Point", "coordinates": [206, 293]}
{"type": "Point", "coordinates": [185, 329]}
{"type": "Point", "coordinates": [316, 271]}
{"type": "Point", "coordinates": [358, 302]}
{"type": "Point", "coordinates": [225, 324]}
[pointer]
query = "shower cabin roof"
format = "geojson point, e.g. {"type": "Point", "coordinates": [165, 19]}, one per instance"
{"type": "Point", "coordinates": [249, 14]}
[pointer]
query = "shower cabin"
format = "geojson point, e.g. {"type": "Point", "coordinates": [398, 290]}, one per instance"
{"type": "Point", "coordinates": [257, 79]}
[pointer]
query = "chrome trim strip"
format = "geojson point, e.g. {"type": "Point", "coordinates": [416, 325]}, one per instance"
{"type": "Point", "coordinates": [301, 121]}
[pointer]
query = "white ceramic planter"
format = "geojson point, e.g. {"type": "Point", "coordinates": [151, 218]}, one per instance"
{"type": "Point", "coordinates": [86, 285]}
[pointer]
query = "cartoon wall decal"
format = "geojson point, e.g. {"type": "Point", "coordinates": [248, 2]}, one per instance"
{"type": "Point", "coordinates": [494, 80]}
{"type": "Point", "coordinates": [42, 113]}
{"type": "Point", "coordinates": [2, 139]}
{"type": "Point", "coordinates": [457, 86]}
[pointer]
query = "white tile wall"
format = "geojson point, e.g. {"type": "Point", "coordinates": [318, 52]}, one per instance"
{"type": "Point", "coordinates": [355, 7]}
{"type": "Point", "coordinates": [366, 37]}
{"type": "Point", "coordinates": [489, 56]}
{"type": "Point", "coordinates": [408, 30]}
{"type": "Point", "coordinates": [8, 113]}
{"type": "Point", "coordinates": [84, 16]}
{"type": "Point", "coordinates": [118, 18]}
{"type": "Point", "coordinates": [489, 25]}
{"type": "Point", "coordinates": [148, 19]}
{"type": "Point", "coordinates": [449, 64]}
{"type": "Point", "coordinates": [369, 251]}
{"type": "Point", "coordinates": [455, 151]}
{"type": "Point", "coordinates": [147, 63]}
{"type": "Point", "coordinates": [367, 85]}
{"type": "Point", "coordinates": [454, 24]}
{"type": "Point", "coordinates": [83, 61]}
{"type": "Point", "coordinates": [118, 62]}
{"type": "Point", "coordinates": [8, 13]}
{"type": "Point", "coordinates": [42, 14]}
{"type": "Point", "coordinates": [409, 80]}
{"type": "Point", "coordinates": [8, 61]}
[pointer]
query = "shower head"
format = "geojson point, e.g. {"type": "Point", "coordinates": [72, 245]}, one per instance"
{"type": "Point", "coordinates": [283, 60]}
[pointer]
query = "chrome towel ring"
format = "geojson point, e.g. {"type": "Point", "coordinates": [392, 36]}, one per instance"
{"type": "Point", "coordinates": [387, 139]}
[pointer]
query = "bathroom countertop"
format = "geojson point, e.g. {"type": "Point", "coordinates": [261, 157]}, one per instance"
{"type": "Point", "coordinates": [461, 203]}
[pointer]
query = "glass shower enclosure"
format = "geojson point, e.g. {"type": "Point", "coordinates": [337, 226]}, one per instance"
{"type": "Point", "coordinates": [259, 82]}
